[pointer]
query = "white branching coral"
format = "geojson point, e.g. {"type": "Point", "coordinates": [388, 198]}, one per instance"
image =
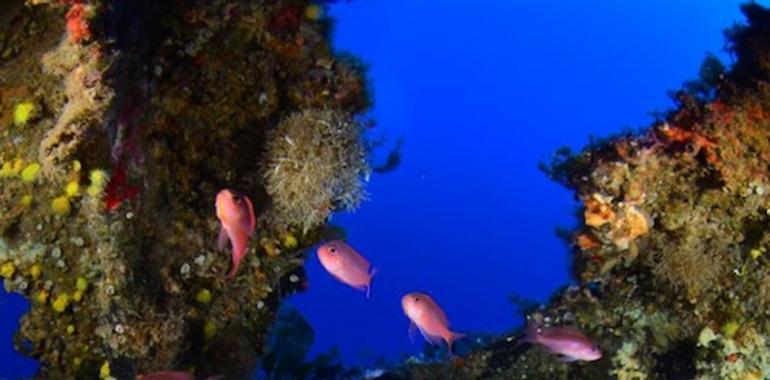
{"type": "Point", "coordinates": [316, 160]}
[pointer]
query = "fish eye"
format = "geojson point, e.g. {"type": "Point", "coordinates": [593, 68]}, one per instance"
{"type": "Point", "coordinates": [236, 197]}
{"type": "Point", "coordinates": [416, 299]}
{"type": "Point", "coordinates": [333, 249]}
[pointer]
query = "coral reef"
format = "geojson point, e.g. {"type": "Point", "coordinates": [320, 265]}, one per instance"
{"type": "Point", "coordinates": [669, 260]}
{"type": "Point", "coordinates": [315, 160]}
{"type": "Point", "coordinates": [119, 123]}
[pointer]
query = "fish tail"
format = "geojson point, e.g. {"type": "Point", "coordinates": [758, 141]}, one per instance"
{"type": "Point", "coordinates": [530, 333]}
{"type": "Point", "coordinates": [239, 251]}
{"type": "Point", "coordinates": [453, 336]}
{"type": "Point", "coordinates": [369, 289]}
{"type": "Point", "coordinates": [372, 271]}
{"type": "Point", "coordinates": [232, 271]}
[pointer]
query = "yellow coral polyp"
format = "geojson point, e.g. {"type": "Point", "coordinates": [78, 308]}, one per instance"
{"type": "Point", "coordinates": [104, 371]}
{"type": "Point", "coordinates": [11, 169]}
{"type": "Point", "coordinates": [313, 12]}
{"type": "Point", "coordinates": [98, 180]}
{"type": "Point", "coordinates": [270, 247]}
{"type": "Point", "coordinates": [70, 329]}
{"type": "Point", "coordinates": [7, 270]}
{"type": "Point", "coordinates": [76, 166]}
{"type": "Point", "coordinates": [61, 205]}
{"type": "Point", "coordinates": [29, 174]}
{"type": "Point", "coordinates": [81, 284]}
{"type": "Point", "coordinates": [730, 328]}
{"type": "Point", "coordinates": [42, 296]}
{"type": "Point", "coordinates": [26, 200]}
{"type": "Point", "coordinates": [77, 296]}
{"type": "Point", "coordinates": [289, 241]}
{"type": "Point", "coordinates": [23, 113]}
{"type": "Point", "coordinates": [209, 330]}
{"type": "Point", "coordinates": [34, 271]}
{"type": "Point", "coordinates": [203, 296]}
{"type": "Point", "coordinates": [5, 170]}
{"type": "Point", "coordinates": [72, 189]}
{"type": "Point", "coordinates": [60, 303]}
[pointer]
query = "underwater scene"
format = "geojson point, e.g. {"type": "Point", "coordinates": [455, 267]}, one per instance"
{"type": "Point", "coordinates": [393, 190]}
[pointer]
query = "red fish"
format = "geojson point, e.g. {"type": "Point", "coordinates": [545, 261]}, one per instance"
{"type": "Point", "coordinates": [567, 342]}
{"type": "Point", "coordinates": [429, 318]}
{"type": "Point", "coordinates": [347, 265]}
{"type": "Point", "coordinates": [237, 223]}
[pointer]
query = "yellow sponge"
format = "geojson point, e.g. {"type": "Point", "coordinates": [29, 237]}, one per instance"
{"type": "Point", "coordinates": [23, 113]}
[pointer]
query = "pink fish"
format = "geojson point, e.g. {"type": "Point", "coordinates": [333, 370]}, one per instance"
{"type": "Point", "coordinates": [429, 318]}
{"type": "Point", "coordinates": [347, 265]}
{"type": "Point", "coordinates": [567, 342]}
{"type": "Point", "coordinates": [237, 224]}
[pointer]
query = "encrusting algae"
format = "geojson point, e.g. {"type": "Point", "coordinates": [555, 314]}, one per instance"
{"type": "Point", "coordinates": [118, 126]}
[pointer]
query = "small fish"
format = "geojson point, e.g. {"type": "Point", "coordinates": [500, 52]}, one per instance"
{"type": "Point", "coordinates": [568, 343]}
{"type": "Point", "coordinates": [393, 161]}
{"type": "Point", "coordinates": [347, 265]}
{"type": "Point", "coordinates": [237, 223]}
{"type": "Point", "coordinates": [429, 318]}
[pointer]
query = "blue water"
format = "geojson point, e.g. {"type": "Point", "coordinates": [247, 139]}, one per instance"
{"type": "Point", "coordinates": [12, 365]}
{"type": "Point", "coordinates": [480, 94]}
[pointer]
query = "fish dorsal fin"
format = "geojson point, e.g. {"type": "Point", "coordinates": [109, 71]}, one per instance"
{"type": "Point", "coordinates": [564, 331]}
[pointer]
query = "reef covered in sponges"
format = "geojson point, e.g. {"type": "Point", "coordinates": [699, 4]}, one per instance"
{"type": "Point", "coordinates": [670, 260]}
{"type": "Point", "coordinates": [119, 123]}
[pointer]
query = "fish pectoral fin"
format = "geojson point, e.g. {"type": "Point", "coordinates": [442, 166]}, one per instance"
{"type": "Point", "coordinates": [412, 332]}
{"type": "Point", "coordinates": [565, 359]}
{"type": "Point", "coordinates": [222, 239]}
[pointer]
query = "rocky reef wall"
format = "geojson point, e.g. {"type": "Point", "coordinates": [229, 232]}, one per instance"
{"type": "Point", "coordinates": [670, 260]}
{"type": "Point", "coordinates": [119, 123]}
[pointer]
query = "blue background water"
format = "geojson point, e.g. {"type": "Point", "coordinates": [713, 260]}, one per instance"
{"type": "Point", "coordinates": [481, 94]}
